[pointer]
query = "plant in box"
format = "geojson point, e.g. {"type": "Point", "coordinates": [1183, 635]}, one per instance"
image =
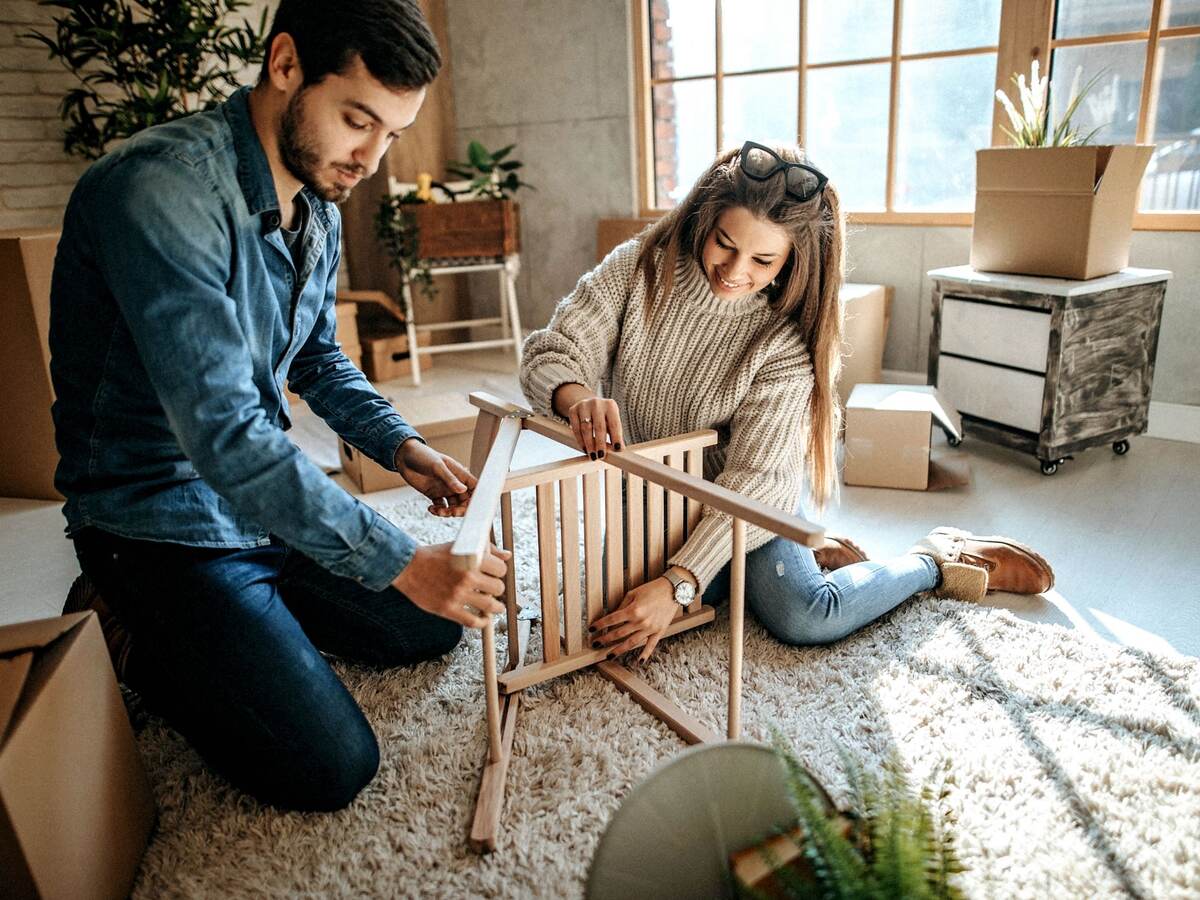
{"type": "Point", "coordinates": [1053, 203]}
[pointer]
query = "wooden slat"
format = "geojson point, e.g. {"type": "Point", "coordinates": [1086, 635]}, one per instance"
{"type": "Point", "coordinates": [497, 406]}
{"type": "Point", "coordinates": [737, 605]}
{"type": "Point", "coordinates": [655, 552]}
{"type": "Point", "coordinates": [675, 523]}
{"type": "Point", "coordinates": [490, 802]}
{"type": "Point", "coordinates": [568, 504]}
{"type": "Point", "coordinates": [593, 571]}
{"type": "Point", "coordinates": [491, 690]}
{"type": "Point", "coordinates": [511, 604]}
{"type": "Point", "coordinates": [475, 530]}
{"type": "Point", "coordinates": [695, 467]}
{"type": "Point", "coordinates": [548, 568]}
{"type": "Point", "coordinates": [614, 591]}
{"type": "Point", "coordinates": [635, 515]}
{"type": "Point", "coordinates": [536, 673]}
{"type": "Point", "coordinates": [658, 705]}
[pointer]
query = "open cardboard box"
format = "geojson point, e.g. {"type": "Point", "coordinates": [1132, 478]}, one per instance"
{"type": "Point", "coordinates": [76, 809]}
{"type": "Point", "coordinates": [889, 434]}
{"type": "Point", "coordinates": [1066, 212]}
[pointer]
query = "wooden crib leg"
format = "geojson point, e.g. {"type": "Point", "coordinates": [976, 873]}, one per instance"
{"type": "Point", "coordinates": [737, 601]}
{"type": "Point", "coordinates": [490, 803]}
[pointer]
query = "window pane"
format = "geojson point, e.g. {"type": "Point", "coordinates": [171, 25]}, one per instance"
{"type": "Point", "coordinates": [760, 34]}
{"type": "Point", "coordinates": [1112, 103]}
{"type": "Point", "coordinates": [761, 108]}
{"type": "Point", "coordinates": [1183, 12]}
{"type": "Point", "coordinates": [1173, 177]}
{"type": "Point", "coordinates": [855, 29]}
{"type": "Point", "coordinates": [945, 116]}
{"type": "Point", "coordinates": [846, 129]}
{"type": "Point", "coordinates": [932, 25]}
{"type": "Point", "coordinates": [683, 38]}
{"type": "Point", "coordinates": [685, 132]}
{"type": "Point", "coordinates": [1084, 18]}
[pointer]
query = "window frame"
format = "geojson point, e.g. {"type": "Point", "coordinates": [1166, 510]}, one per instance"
{"type": "Point", "coordinates": [1026, 28]}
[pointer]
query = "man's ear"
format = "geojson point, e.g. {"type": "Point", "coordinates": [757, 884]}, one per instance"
{"type": "Point", "coordinates": [283, 67]}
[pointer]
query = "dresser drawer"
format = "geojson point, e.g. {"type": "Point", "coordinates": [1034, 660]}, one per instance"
{"type": "Point", "coordinates": [990, 392]}
{"type": "Point", "coordinates": [999, 334]}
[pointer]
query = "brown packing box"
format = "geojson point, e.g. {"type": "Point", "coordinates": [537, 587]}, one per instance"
{"type": "Point", "coordinates": [28, 455]}
{"type": "Point", "coordinates": [868, 310]}
{"type": "Point", "coordinates": [76, 809]}
{"type": "Point", "coordinates": [888, 437]}
{"type": "Point", "coordinates": [445, 421]}
{"type": "Point", "coordinates": [1065, 212]}
{"type": "Point", "coordinates": [386, 357]}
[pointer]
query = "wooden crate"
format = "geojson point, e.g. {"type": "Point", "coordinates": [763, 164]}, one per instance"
{"type": "Point", "coordinates": [468, 229]}
{"type": "Point", "coordinates": [385, 357]}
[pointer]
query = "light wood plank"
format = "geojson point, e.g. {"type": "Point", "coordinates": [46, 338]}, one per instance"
{"type": "Point", "coordinates": [511, 603]}
{"type": "Point", "coordinates": [613, 540]}
{"type": "Point", "coordinates": [737, 601]}
{"type": "Point", "coordinates": [536, 673]}
{"type": "Point", "coordinates": [655, 555]}
{"type": "Point", "coordinates": [475, 531]}
{"type": "Point", "coordinates": [695, 467]}
{"type": "Point", "coordinates": [548, 568]}
{"type": "Point", "coordinates": [635, 514]}
{"type": "Point", "coordinates": [568, 504]}
{"type": "Point", "coordinates": [688, 727]}
{"type": "Point", "coordinates": [491, 690]}
{"type": "Point", "coordinates": [593, 572]}
{"type": "Point", "coordinates": [675, 522]}
{"type": "Point", "coordinates": [490, 803]}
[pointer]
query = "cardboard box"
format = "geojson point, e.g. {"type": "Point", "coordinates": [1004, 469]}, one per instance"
{"type": "Point", "coordinates": [888, 438]}
{"type": "Point", "coordinates": [28, 454]}
{"type": "Point", "coordinates": [445, 421]}
{"type": "Point", "coordinates": [386, 357]}
{"type": "Point", "coordinates": [1065, 212]}
{"type": "Point", "coordinates": [868, 309]}
{"type": "Point", "coordinates": [76, 808]}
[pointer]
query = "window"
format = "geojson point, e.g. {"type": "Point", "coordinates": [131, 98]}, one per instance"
{"type": "Point", "coordinates": [893, 97]}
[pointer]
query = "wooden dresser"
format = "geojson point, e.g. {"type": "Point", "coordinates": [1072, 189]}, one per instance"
{"type": "Point", "coordinates": [1047, 365]}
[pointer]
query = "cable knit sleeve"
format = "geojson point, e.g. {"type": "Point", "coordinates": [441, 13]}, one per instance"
{"type": "Point", "coordinates": [764, 460]}
{"type": "Point", "coordinates": [577, 346]}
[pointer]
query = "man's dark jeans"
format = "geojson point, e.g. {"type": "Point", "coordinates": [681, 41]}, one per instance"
{"type": "Point", "coordinates": [226, 649]}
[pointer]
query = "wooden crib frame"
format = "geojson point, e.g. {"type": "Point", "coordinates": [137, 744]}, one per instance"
{"type": "Point", "coordinates": [672, 503]}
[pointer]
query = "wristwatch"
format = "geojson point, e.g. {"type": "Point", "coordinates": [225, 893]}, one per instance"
{"type": "Point", "coordinates": [685, 593]}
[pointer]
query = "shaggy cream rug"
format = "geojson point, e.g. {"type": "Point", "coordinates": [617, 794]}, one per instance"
{"type": "Point", "coordinates": [1072, 767]}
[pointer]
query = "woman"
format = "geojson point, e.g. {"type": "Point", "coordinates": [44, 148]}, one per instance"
{"type": "Point", "coordinates": [725, 314]}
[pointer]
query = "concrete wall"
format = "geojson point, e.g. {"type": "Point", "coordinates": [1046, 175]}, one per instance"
{"type": "Point", "coordinates": [570, 112]}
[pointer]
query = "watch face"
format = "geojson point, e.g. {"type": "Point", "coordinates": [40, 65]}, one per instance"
{"type": "Point", "coordinates": [684, 593]}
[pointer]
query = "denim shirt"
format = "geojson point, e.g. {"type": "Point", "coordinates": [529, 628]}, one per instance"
{"type": "Point", "coordinates": [176, 313]}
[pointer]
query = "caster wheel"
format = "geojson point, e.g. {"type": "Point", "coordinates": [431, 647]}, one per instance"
{"type": "Point", "coordinates": [1121, 448]}
{"type": "Point", "coordinates": [1048, 467]}
{"type": "Point", "coordinates": [953, 441]}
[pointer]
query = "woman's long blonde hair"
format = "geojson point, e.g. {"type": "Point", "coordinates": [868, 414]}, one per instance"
{"type": "Point", "coordinates": [806, 289]}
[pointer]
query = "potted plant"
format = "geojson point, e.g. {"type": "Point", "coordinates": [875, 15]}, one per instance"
{"type": "Point", "coordinates": [142, 62]}
{"type": "Point", "coordinates": [1053, 203]}
{"type": "Point", "coordinates": [738, 819]}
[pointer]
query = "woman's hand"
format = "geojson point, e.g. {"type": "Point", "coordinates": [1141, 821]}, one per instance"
{"type": "Point", "coordinates": [642, 618]}
{"type": "Point", "coordinates": [596, 421]}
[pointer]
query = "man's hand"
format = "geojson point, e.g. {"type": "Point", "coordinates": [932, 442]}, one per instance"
{"type": "Point", "coordinates": [642, 618]}
{"type": "Point", "coordinates": [431, 581]}
{"type": "Point", "coordinates": [441, 478]}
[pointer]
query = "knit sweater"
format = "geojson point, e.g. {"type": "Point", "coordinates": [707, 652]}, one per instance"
{"type": "Point", "coordinates": [735, 366]}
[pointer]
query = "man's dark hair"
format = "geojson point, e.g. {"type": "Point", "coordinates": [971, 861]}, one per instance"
{"type": "Point", "coordinates": [391, 36]}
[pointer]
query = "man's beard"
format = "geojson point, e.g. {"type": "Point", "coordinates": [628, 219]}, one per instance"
{"type": "Point", "coordinates": [302, 158]}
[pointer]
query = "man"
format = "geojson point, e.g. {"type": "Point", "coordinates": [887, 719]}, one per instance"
{"type": "Point", "coordinates": [195, 273]}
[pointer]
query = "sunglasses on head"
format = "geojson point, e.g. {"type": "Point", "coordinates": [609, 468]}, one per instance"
{"type": "Point", "coordinates": [801, 182]}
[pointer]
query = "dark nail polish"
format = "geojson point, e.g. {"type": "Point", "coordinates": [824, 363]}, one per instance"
{"type": "Point", "coordinates": [616, 446]}
{"type": "Point", "coordinates": [592, 455]}
{"type": "Point", "coordinates": [602, 454]}
{"type": "Point", "coordinates": [595, 645]}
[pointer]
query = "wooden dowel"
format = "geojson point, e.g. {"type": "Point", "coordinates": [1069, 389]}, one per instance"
{"type": "Point", "coordinates": [737, 600]}
{"type": "Point", "coordinates": [674, 510]}
{"type": "Point", "coordinates": [492, 690]}
{"type": "Point", "coordinates": [593, 572]}
{"type": "Point", "coordinates": [511, 604]}
{"type": "Point", "coordinates": [614, 539]}
{"type": "Point", "coordinates": [635, 515]}
{"type": "Point", "coordinates": [655, 557]}
{"type": "Point", "coordinates": [568, 505]}
{"type": "Point", "coordinates": [548, 569]}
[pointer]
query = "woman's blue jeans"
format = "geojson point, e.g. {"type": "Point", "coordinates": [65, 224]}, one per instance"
{"type": "Point", "coordinates": [227, 648]}
{"type": "Point", "coordinates": [799, 604]}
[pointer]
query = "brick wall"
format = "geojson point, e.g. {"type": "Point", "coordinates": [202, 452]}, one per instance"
{"type": "Point", "coordinates": [36, 176]}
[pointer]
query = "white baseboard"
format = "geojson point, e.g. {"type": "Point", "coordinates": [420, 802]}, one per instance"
{"type": "Point", "coordinates": [1168, 421]}
{"type": "Point", "coordinates": [1174, 422]}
